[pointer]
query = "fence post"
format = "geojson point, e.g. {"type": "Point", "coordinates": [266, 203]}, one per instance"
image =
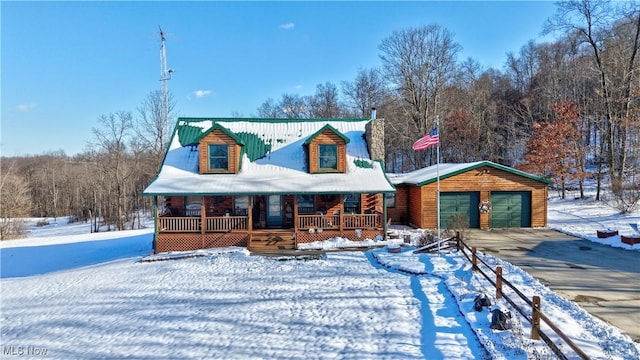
{"type": "Point", "coordinates": [499, 282]}
{"type": "Point", "coordinates": [535, 318]}
{"type": "Point", "coordinates": [458, 241]}
{"type": "Point", "coordinates": [474, 259]}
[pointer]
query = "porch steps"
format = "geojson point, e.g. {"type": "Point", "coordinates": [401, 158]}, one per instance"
{"type": "Point", "coordinates": [272, 240]}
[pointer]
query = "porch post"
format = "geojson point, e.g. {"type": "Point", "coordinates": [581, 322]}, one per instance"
{"type": "Point", "coordinates": [250, 220]}
{"type": "Point", "coordinates": [295, 213]}
{"type": "Point", "coordinates": [203, 216]}
{"type": "Point", "coordinates": [203, 219]}
{"type": "Point", "coordinates": [384, 217]}
{"type": "Point", "coordinates": [295, 220]}
{"type": "Point", "coordinates": [250, 214]}
{"type": "Point", "coordinates": [341, 214]}
{"type": "Point", "coordinates": [156, 227]}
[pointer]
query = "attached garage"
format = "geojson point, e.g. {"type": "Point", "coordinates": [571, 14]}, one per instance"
{"type": "Point", "coordinates": [481, 194]}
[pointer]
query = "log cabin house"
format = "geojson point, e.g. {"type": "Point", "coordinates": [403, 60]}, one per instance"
{"type": "Point", "coordinates": [480, 194]}
{"type": "Point", "coordinates": [270, 184]}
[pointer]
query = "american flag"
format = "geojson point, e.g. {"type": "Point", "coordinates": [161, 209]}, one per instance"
{"type": "Point", "coordinates": [430, 139]}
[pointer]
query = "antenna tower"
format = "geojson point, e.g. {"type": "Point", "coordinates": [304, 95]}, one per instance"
{"type": "Point", "coordinates": [165, 75]}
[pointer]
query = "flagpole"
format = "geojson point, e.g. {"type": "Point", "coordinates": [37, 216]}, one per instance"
{"type": "Point", "coordinates": [425, 142]}
{"type": "Point", "coordinates": [438, 181]}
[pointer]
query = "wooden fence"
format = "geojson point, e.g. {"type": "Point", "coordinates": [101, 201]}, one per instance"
{"type": "Point", "coordinates": [534, 304]}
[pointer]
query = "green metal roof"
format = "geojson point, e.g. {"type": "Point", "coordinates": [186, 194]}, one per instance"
{"type": "Point", "coordinates": [365, 164]}
{"type": "Point", "coordinates": [484, 163]}
{"type": "Point", "coordinates": [322, 129]}
{"type": "Point", "coordinates": [254, 146]}
{"type": "Point", "coordinates": [217, 126]}
{"type": "Point", "coordinates": [188, 134]}
{"type": "Point", "coordinates": [269, 120]}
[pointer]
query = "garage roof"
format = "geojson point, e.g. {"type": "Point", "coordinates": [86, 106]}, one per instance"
{"type": "Point", "coordinates": [430, 174]}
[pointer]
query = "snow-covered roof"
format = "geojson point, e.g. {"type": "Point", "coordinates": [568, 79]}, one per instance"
{"type": "Point", "coordinates": [274, 160]}
{"type": "Point", "coordinates": [430, 174]}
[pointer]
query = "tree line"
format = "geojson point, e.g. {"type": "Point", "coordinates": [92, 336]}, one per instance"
{"type": "Point", "coordinates": [567, 110]}
{"type": "Point", "coordinates": [102, 185]}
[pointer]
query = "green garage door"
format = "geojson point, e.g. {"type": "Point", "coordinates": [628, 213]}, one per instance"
{"type": "Point", "coordinates": [510, 209]}
{"type": "Point", "coordinates": [459, 210]}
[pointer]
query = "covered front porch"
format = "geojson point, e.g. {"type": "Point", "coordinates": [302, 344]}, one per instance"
{"type": "Point", "coordinates": [265, 222]}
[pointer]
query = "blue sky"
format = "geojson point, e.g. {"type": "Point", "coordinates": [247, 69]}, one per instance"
{"type": "Point", "coordinates": [63, 64]}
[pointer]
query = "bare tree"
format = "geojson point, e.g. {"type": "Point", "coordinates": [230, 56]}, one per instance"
{"type": "Point", "coordinates": [152, 126]}
{"type": "Point", "coordinates": [365, 92]}
{"type": "Point", "coordinates": [114, 164]}
{"type": "Point", "coordinates": [594, 23]}
{"type": "Point", "coordinates": [14, 202]}
{"type": "Point", "coordinates": [269, 109]}
{"type": "Point", "coordinates": [294, 106]}
{"type": "Point", "coordinates": [419, 62]}
{"type": "Point", "coordinates": [324, 103]}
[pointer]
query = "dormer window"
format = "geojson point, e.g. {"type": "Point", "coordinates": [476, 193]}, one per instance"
{"type": "Point", "coordinates": [218, 157]}
{"type": "Point", "coordinates": [328, 157]}
{"type": "Point", "coordinates": [327, 151]}
{"type": "Point", "coordinates": [219, 151]}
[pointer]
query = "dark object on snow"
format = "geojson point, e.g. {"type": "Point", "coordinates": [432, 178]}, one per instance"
{"type": "Point", "coordinates": [500, 319]}
{"type": "Point", "coordinates": [481, 301]}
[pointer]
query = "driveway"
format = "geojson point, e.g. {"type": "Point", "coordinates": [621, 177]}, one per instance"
{"type": "Point", "coordinates": [604, 280]}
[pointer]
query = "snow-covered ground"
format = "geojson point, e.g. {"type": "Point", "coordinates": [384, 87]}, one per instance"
{"type": "Point", "coordinates": [82, 296]}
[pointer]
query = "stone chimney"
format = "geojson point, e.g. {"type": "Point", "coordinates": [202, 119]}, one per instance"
{"type": "Point", "coordinates": [374, 135]}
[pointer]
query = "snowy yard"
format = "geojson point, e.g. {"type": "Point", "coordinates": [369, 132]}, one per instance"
{"type": "Point", "coordinates": [88, 296]}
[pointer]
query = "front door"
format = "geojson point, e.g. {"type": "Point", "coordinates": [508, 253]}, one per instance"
{"type": "Point", "coordinates": [274, 211]}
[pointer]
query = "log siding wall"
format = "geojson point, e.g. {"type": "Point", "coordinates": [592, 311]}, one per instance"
{"type": "Point", "coordinates": [399, 213]}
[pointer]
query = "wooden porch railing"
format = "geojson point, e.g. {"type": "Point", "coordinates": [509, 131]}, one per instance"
{"type": "Point", "coordinates": [178, 224]}
{"type": "Point", "coordinates": [318, 221]}
{"type": "Point", "coordinates": [364, 221]}
{"type": "Point", "coordinates": [192, 224]}
{"type": "Point", "coordinates": [226, 223]}
{"type": "Point", "coordinates": [350, 221]}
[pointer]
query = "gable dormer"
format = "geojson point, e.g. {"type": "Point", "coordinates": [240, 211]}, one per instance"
{"type": "Point", "coordinates": [219, 151]}
{"type": "Point", "coordinates": [327, 151]}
